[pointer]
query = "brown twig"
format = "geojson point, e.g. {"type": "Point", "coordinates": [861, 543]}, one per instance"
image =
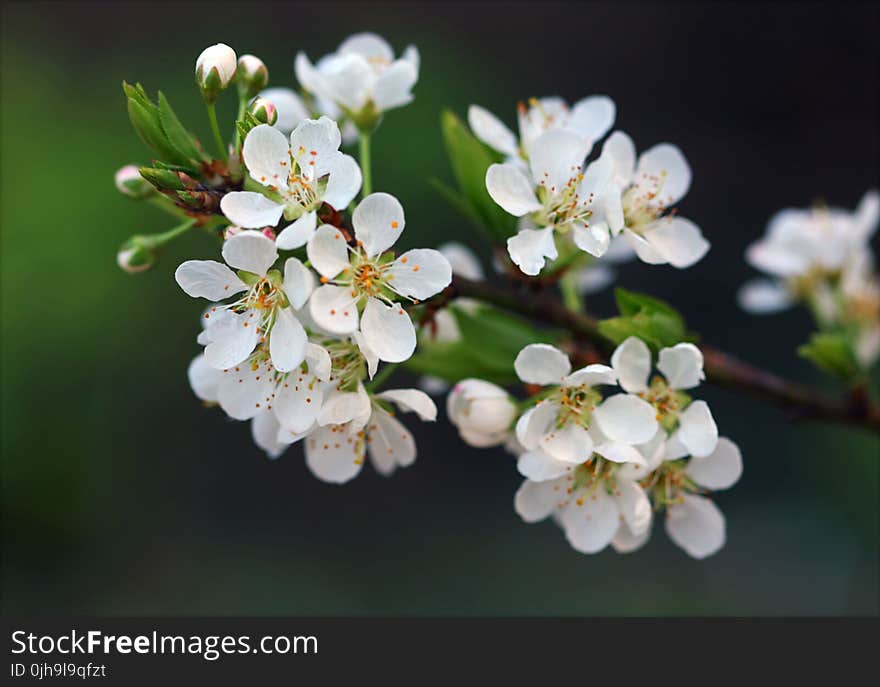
{"type": "Point", "coordinates": [721, 368]}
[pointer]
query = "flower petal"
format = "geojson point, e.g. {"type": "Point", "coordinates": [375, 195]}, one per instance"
{"type": "Point", "coordinates": [378, 222]}
{"type": "Point", "coordinates": [622, 151]}
{"type": "Point", "coordinates": [368, 353]}
{"type": "Point", "coordinates": [540, 467]}
{"type": "Point", "coordinates": [530, 247]}
{"type": "Point", "coordinates": [412, 400]}
{"type": "Point", "coordinates": [264, 430]}
{"type": "Point", "coordinates": [534, 424]}
{"type": "Point", "coordinates": [287, 341]}
{"type": "Point", "coordinates": [298, 401]}
{"type": "Point", "coordinates": [764, 296]}
{"type": "Point", "coordinates": [341, 407]}
{"type": "Point", "coordinates": [296, 235]}
{"type": "Point", "coordinates": [619, 452]}
{"type": "Point", "coordinates": [491, 130]}
{"type": "Point", "coordinates": [267, 156]}
{"type": "Point", "coordinates": [299, 282]}
{"type": "Point", "coordinates": [682, 365]}
{"type": "Point", "coordinates": [319, 361]}
{"type": "Point", "coordinates": [290, 107]}
{"type": "Point", "coordinates": [593, 239]}
{"type": "Point", "coordinates": [556, 157]}
{"type": "Point", "coordinates": [591, 375]}
{"type": "Point", "coordinates": [328, 252]}
{"type": "Point", "coordinates": [314, 145]}
{"type": "Point", "coordinates": [678, 240]}
{"type": "Point", "coordinates": [420, 273]}
{"type": "Point", "coordinates": [627, 542]}
{"type": "Point", "coordinates": [721, 469]}
{"type": "Point", "coordinates": [646, 252]}
{"type": "Point", "coordinates": [233, 339]}
{"type": "Point", "coordinates": [246, 390]}
{"type": "Point", "coordinates": [591, 523]}
{"type": "Point", "coordinates": [626, 418]}
{"type": "Point", "coordinates": [250, 251]}
{"type": "Point", "coordinates": [633, 504]}
{"type": "Point", "coordinates": [389, 331]}
{"type": "Point", "coordinates": [697, 429]}
{"type": "Point", "coordinates": [696, 525]}
{"type": "Point", "coordinates": [343, 183]}
{"type": "Point", "coordinates": [334, 454]}
{"type": "Point", "coordinates": [570, 444]}
{"type": "Point", "coordinates": [333, 308]}
{"type": "Point", "coordinates": [632, 362]}
{"type": "Point", "coordinates": [592, 117]}
{"type": "Point", "coordinates": [463, 260]}
{"type": "Point", "coordinates": [204, 379]}
{"type": "Point", "coordinates": [250, 210]}
{"type": "Point", "coordinates": [393, 87]}
{"type": "Point", "coordinates": [541, 364]}
{"type": "Point", "coordinates": [368, 45]}
{"type": "Point", "coordinates": [208, 279]}
{"type": "Point", "coordinates": [389, 444]}
{"type": "Point", "coordinates": [511, 189]}
{"type": "Point", "coordinates": [534, 501]}
{"type": "Point", "coordinates": [663, 171]}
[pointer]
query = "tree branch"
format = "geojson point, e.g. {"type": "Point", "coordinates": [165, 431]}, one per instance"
{"type": "Point", "coordinates": [721, 368]}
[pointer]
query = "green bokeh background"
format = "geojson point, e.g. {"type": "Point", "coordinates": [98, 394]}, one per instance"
{"type": "Point", "coordinates": [122, 495]}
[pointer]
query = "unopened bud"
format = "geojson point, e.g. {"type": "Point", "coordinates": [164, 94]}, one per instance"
{"type": "Point", "coordinates": [483, 412]}
{"type": "Point", "coordinates": [162, 179]}
{"type": "Point", "coordinates": [251, 76]}
{"type": "Point", "coordinates": [130, 183]}
{"type": "Point", "coordinates": [134, 256]}
{"type": "Point", "coordinates": [215, 69]}
{"type": "Point", "coordinates": [263, 111]}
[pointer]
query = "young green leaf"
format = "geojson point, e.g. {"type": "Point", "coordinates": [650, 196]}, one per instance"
{"type": "Point", "coordinates": [833, 353]}
{"type": "Point", "coordinates": [176, 134]}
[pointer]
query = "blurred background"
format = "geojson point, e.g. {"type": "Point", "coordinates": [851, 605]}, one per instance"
{"type": "Point", "coordinates": [123, 495]}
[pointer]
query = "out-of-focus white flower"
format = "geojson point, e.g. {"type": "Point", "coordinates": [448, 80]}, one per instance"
{"type": "Point", "coordinates": [362, 77]}
{"type": "Point", "coordinates": [557, 196]}
{"type": "Point", "coordinates": [215, 69]}
{"type": "Point", "coordinates": [289, 106]}
{"type": "Point", "coordinates": [335, 451]}
{"type": "Point", "coordinates": [251, 75]}
{"type": "Point", "coordinates": [482, 412]}
{"type": "Point", "coordinates": [689, 423]}
{"type": "Point", "coordinates": [590, 117]}
{"type": "Point", "coordinates": [650, 186]}
{"type": "Point", "coordinates": [361, 285]}
{"type": "Point", "coordinates": [860, 286]}
{"type": "Point", "coordinates": [263, 313]}
{"type": "Point", "coordinates": [299, 177]}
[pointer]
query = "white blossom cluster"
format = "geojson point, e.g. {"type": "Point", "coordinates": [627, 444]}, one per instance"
{"type": "Point", "coordinates": [606, 448]}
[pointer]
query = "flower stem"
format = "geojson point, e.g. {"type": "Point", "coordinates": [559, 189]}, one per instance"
{"type": "Point", "coordinates": [215, 129]}
{"type": "Point", "coordinates": [173, 233]}
{"type": "Point", "coordinates": [364, 140]}
{"type": "Point", "coordinates": [242, 104]}
{"type": "Point", "coordinates": [386, 372]}
{"type": "Point", "coordinates": [571, 296]}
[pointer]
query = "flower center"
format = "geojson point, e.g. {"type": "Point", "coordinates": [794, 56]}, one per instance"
{"type": "Point", "coordinates": [640, 206]}
{"type": "Point", "coordinates": [668, 483]}
{"type": "Point", "coordinates": [564, 207]}
{"type": "Point", "coordinates": [576, 404]}
{"type": "Point", "coordinates": [667, 402]}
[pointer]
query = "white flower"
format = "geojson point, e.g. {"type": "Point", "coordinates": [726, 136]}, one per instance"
{"type": "Point", "coordinates": [591, 118]}
{"type": "Point", "coordinates": [300, 176]}
{"type": "Point", "coordinates": [361, 77]}
{"type": "Point", "coordinates": [482, 412]}
{"type": "Point", "coordinates": [361, 284]}
{"type": "Point", "coordinates": [215, 68]}
{"type": "Point", "coordinates": [689, 423]}
{"type": "Point", "coordinates": [559, 196]}
{"type": "Point", "coordinates": [335, 451]}
{"type": "Point", "coordinates": [572, 421]}
{"type": "Point", "coordinates": [803, 249]}
{"type": "Point", "coordinates": [650, 186]}
{"type": "Point", "coordinates": [266, 310]}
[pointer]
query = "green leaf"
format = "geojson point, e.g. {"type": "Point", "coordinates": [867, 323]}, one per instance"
{"type": "Point", "coordinates": [833, 353]}
{"type": "Point", "coordinates": [145, 119]}
{"type": "Point", "coordinates": [654, 321]}
{"type": "Point", "coordinates": [179, 137]}
{"type": "Point", "coordinates": [470, 159]}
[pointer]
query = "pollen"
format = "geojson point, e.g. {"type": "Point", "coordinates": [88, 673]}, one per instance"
{"type": "Point", "coordinates": [416, 268]}
{"type": "Point", "coordinates": [324, 280]}
{"type": "Point", "coordinates": [332, 312]}
{"type": "Point", "coordinates": [404, 259]}
{"type": "Point", "coordinates": [394, 225]}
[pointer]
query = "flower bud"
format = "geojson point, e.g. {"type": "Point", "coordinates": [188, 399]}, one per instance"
{"type": "Point", "coordinates": [482, 412]}
{"type": "Point", "coordinates": [130, 183]}
{"type": "Point", "coordinates": [215, 69]}
{"type": "Point", "coordinates": [251, 76]}
{"type": "Point", "coordinates": [263, 111]}
{"type": "Point", "coordinates": [135, 257]}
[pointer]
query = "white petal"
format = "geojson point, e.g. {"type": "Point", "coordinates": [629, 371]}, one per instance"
{"type": "Point", "coordinates": [592, 117]}
{"type": "Point", "coordinates": [233, 339]}
{"type": "Point", "coordinates": [571, 444]}
{"type": "Point", "coordinates": [634, 505]}
{"type": "Point", "coordinates": [251, 210]}
{"type": "Point", "coordinates": [420, 273]}
{"type": "Point", "coordinates": [250, 251]}
{"type": "Point", "coordinates": [290, 107]}
{"type": "Point", "coordinates": [626, 418]}
{"type": "Point", "coordinates": [491, 130]}
{"type": "Point", "coordinates": [389, 443]}
{"type": "Point", "coordinates": [764, 296]}
{"type": "Point", "coordinates": [296, 235]}
{"type": "Point", "coordinates": [622, 151]}
{"type": "Point", "coordinates": [463, 260]}
{"type": "Point", "coordinates": [208, 279]}
{"type": "Point", "coordinates": [264, 430]}
{"type": "Point", "coordinates": [204, 379]}
{"type": "Point", "coordinates": [556, 157]}
{"type": "Point", "coordinates": [319, 361]}
{"type": "Point", "coordinates": [673, 449]}
{"type": "Point", "coordinates": [328, 252]}
{"type": "Point", "coordinates": [663, 170]}
{"type": "Point", "coordinates": [367, 44]}
{"type": "Point", "coordinates": [298, 401]}
{"type": "Point", "coordinates": [287, 341]}
{"type": "Point", "coordinates": [511, 189]}
{"type": "Point", "coordinates": [539, 467]}
{"type": "Point", "coordinates": [389, 331]}
{"type": "Point", "coordinates": [591, 375]}
{"type": "Point", "coordinates": [721, 469]}
{"type": "Point", "coordinates": [246, 390]}
{"type": "Point", "coordinates": [334, 454]}
{"type": "Point", "coordinates": [267, 156]}
{"type": "Point", "coordinates": [627, 542]}
{"type": "Point", "coordinates": [682, 365]}
{"type": "Point", "coordinates": [368, 353]}
{"type": "Point", "coordinates": [347, 79]}
{"type": "Point", "coordinates": [392, 88]}
{"type": "Point", "coordinates": [530, 247]}
{"type": "Point", "coordinates": [595, 278]}
{"type": "Point", "coordinates": [534, 501]}
{"type": "Point", "coordinates": [646, 252]}
{"type": "Point", "coordinates": [299, 282]}
{"type": "Point", "coordinates": [867, 216]}
{"type": "Point", "coordinates": [535, 422]}
{"type": "Point", "coordinates": [632, 362]}
{"type": "Point", "coordinates": [678, 240]}
{"type": "Point", "coordinates": [593, 239]}
{"type": "Point", "coordinates": [541, 364]}
{"type": "Point", "coordinates": [696, 525]}
{"type": "Point", "coordinates": [619, 452]}
{"type": "Point", "coordinates": [697, 429]}
{"type": "Point", "coordinates": [343, 183]}
{"type": "Point", "coordinates": [342, 407]}
{"type": "Point", "coordinates": [378, 222]}
{"type": "Point", "coordinates": [412, 400]}
{"type": "Point", "coordinates": [333, 309]}
{"type": "Point", "coordinates": [309, 77]}
{"type": "Point", "coordinates": [590, 527]}
{"type": "Point", "coordinates": [314, 144]}
{"type": "Point", "coordinates": [411, 55]}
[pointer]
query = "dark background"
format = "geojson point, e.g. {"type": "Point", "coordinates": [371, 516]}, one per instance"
{"type": "Point", "coordinates": [122, 495]}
